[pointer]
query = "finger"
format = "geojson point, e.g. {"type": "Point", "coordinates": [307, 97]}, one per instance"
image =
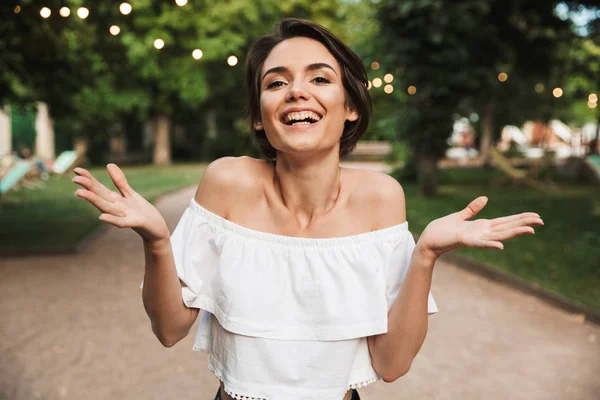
{"type": "Point", "coordinates": [85, 178]}
{"type": "Point", "coordinates": [119, 179]}
{"type": "Point", "coordinates": [95, 186]}
{"type": "Point", "coordinates": [474, 207]}
{"type": "Point", "coordinates": [488, 244]}
{"type": "Point", "coordinates": [119, 222]}
{"type": "Point", "coordinates": [99, 202]}
{"type": "Point", "coordinates": [523, 221]}
{"type": "Point", "coordinates": [511, 218]}
{"type": "Point", "coordinates": [82, 172]}
{"type": "Point", "coordinates": [511, 233]}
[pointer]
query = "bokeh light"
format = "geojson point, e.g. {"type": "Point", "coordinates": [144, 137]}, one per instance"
{"type": "Point", "coordinates": [592, 104]}
{"type": "Point", "coordinates": [125, 8]}
{"type": "Point", "coordinates": [369, 85]}
{"type": "Point", "coordinates": [232, 61]}
{"type": "Point", "coordinates": [388, 78]}
{"type": "Point", "coordinates": [45, 12]}
{"type": "Point", "coordinates": [539, 87]}
{"type": "Point", "coordinates": [115, 30]}
{"type": "Point", "coordinates": [502, 76]}
{"type": "Point", "coordinates": [388, 89]}
{"type": "Point", "coordinates": [64, 12]}
{"type": "Point", "coordinates": [377, 82]}
{"type": "Point", "coordinates": [593, 98]}
{"type": "Point", "coordinates": [159, 43]}
{"type": "Point", "coordinates": [17, 9]}
{"type": "Point", "coordinates": [181, 3]}
{"type": "Point", "coordinates": [83, 12]}
{"type": "Point", "coordinates": [197, 54]}
{"type": "Point", "coordinates": [557, 92]}
{"type": "Point", "coordinates": [374, 65]}
{"type": "Point", "coordinates": [412, 90]}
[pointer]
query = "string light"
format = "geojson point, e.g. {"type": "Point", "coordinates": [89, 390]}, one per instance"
{"type": "Point", "coordinates": [388, 89]}
{"type": "Point", "coordinates": [593, 98]}
{"type": "Point", "coordinates": [115, 30]}
{"type": "Point", "coordinates": [64, 12]}
{"type": "Point", "coordinates": [197, 54]}
{"type": "Point", "coordinates": [45, 12]}
{"type": "Point", "coordinates": [388, 78]}
{"type": "Point", "coordinates": [181, 3]}
{"type": "Point", "coordinates": [502, 76]}
{"type": "Point", "coordinates": [557, 92]}
{"type": "Point", "coordinates": [377, 82]}
{"type": "Point", "coordinates": [125, 8]}
{"type": "Point", "coordinates": [412, 90]}
{"type": "Point", "coordinates": [83, 12]}
{"type": "Point", "coordinates": [159, 43]}
{"type": "Point", "coordinates": [374, 65]}
{"type": "Point", "coordinates": [232, 61]}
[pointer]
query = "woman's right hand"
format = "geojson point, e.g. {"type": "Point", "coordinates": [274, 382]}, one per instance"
{"type": "Point", "coordinates": [125, 210]}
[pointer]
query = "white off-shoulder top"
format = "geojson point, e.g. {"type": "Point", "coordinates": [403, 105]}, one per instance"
{"type": "Point", "coordinates": [286, 318]}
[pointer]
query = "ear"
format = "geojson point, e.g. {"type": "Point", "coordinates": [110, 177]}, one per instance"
{"type": "Point", "coordinates": [258, 126]}
{"type": "Point", "coordinates": [351, 114]}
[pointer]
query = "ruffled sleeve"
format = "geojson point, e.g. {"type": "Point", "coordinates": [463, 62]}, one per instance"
{"type": "Point", "coordinates": [400, 259]}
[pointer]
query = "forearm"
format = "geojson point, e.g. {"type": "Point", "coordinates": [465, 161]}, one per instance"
{"type": "Point", "coordinates": [161, 294]}
{"type": "Point", "coordinates": [392, 352]}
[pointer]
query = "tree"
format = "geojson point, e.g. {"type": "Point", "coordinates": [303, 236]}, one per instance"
{"type": "Point", "coordinates": [453, 52]}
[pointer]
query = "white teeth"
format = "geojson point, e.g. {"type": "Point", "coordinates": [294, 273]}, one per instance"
{"type": "Point", "coordinates": [299, 116]}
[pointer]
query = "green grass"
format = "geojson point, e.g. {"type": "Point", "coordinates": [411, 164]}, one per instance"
{"type": "Point", "coordinates": [52, 218]}
{"type": "Point", "coordinates": [562, 256]}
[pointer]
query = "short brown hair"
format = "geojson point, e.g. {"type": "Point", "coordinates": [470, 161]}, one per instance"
{"type": "Point", "coordinates": [354, 79]}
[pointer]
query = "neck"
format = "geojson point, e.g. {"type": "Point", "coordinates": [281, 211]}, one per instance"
{"type": "Point", "coordinates": [308, 188]}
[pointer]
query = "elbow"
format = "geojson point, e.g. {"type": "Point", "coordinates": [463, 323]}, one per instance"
{"type": "Point", "coordinates": [392, 373]}
{"type": "Point", "coordinates": [167, 339]}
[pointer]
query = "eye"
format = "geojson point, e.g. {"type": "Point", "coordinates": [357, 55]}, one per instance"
{"type": "Point", "coordinates": [275, 84]}
{"type": "Point", "coordinates": [321, 80]}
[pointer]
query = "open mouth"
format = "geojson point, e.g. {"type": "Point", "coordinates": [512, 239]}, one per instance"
{"type": "Point", "coordinates": [301, 118]}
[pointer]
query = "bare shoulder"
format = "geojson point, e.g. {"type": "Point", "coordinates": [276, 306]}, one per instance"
{"type": "Point", "coordinates": [381, 196]}
{"type": "Point", "coordinates": [228, 178]}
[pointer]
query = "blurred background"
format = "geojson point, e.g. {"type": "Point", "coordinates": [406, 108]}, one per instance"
{"type": "Point", "coordinates": [472, 97]}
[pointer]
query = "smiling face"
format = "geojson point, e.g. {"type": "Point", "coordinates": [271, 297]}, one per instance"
{"type": "Point", "coordinates": [302, 98]}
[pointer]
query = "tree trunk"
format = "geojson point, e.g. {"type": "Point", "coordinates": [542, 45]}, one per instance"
{"type": "Point", "coordinates": [44, 138]}
{"type": "Point", "coordinates": [593, 146]}
{"type": "Point", "coordinates": [427, 174]}
{"type": "Point", "coordinates": [162, 141]}
{"type": "Point", "coordinates": [487, 133]}
{"type": "Point", "coordinates": [5, 131]}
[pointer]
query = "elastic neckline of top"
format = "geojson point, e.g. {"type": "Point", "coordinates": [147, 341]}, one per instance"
{"type": "Point", "coordinates": [222, 223]}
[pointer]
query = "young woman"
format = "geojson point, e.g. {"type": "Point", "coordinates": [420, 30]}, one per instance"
{"type": "Point", "coordinates": [310, 282]}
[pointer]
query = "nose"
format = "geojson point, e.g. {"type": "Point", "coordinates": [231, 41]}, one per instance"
{"type": "Point", "coordinates": [296, 92]}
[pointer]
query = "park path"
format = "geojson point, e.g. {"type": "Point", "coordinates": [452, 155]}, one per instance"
{"type": "Point", "coordinates": [73, 327]}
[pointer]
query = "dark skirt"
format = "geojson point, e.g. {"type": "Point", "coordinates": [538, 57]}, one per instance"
{"type": "Point", "coordinates": [355, 395]}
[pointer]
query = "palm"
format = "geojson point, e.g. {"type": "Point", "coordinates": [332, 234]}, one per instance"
{"type": "Point", "coordinates": [126, 209]}
{"type": "Point", "coordinates": [454, 230]}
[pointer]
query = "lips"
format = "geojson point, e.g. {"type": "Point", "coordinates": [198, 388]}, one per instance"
{"type": "Point", "coordinates": [300, 116]}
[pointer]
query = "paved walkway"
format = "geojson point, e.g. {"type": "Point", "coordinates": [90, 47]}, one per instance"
{"type": "Point", "coordinates": [73, 327]}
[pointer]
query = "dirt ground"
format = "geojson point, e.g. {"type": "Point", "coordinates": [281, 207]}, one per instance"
{"type": "Point", "coordinates": [74, 327]}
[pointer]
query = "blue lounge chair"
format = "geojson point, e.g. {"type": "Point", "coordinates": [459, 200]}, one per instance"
{"type": "Point", "coordinates": [15, 175]}
{"type": "Point", "coordinates": [65, 161]}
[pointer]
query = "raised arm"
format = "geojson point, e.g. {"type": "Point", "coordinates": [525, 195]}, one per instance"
{"type": "Point", "coordinates": [171, 320]}
{"type": "Point", "coordinates": [392, 353]}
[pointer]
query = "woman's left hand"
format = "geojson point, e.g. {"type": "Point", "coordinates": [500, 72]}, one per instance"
{"type": "Point", "coordinates": [453, 231]}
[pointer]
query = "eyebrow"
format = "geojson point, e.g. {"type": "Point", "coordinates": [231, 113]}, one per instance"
{"type": "Point", "coordinates": [310, 67]}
